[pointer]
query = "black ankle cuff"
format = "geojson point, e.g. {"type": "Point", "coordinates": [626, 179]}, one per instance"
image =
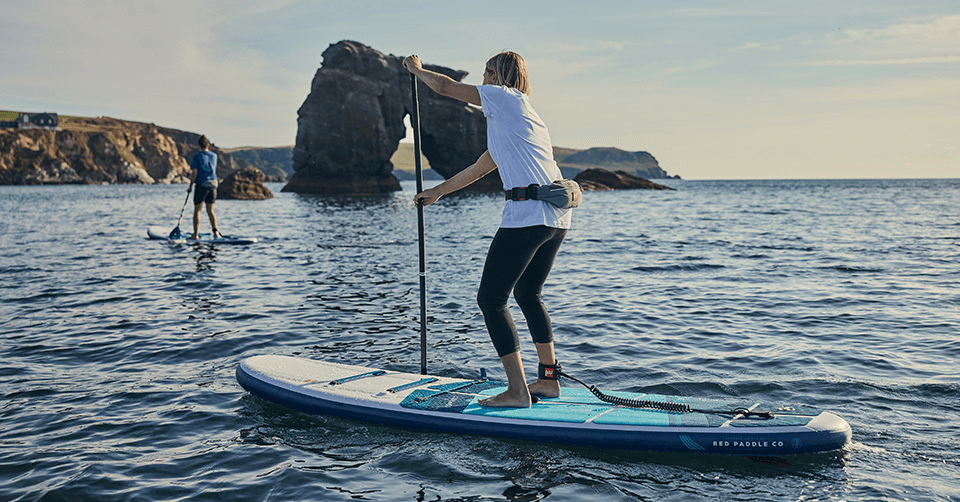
{"type": "Point", "coordinates": [549, 371]}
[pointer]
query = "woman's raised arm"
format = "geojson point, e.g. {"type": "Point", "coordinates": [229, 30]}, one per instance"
{"type": "Point", "coordinates": [442, 84]}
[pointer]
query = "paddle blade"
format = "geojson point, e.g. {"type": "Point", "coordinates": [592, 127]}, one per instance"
{"type": "Point", "coordinates": [175, 233]}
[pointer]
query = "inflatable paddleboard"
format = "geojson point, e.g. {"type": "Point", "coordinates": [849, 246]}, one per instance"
{"type": "Point", "coordinates": [160, 233]}
{"type": "Point", "coordinates": [577, 418]}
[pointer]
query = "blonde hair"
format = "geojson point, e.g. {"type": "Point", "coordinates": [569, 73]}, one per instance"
{"type": "Point", "coordinates": [511, 71]}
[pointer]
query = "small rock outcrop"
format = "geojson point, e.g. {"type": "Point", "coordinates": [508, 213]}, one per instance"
{"type": "Point", "coordinates": [601, 179]}
{"type": "Point", "coordinates": [351, 123]}
{"type": "Point", "coordinates": [245, 184]}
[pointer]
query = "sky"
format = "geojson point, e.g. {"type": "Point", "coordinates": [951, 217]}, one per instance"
{"type": "Point", "coordinates": [713, 90]}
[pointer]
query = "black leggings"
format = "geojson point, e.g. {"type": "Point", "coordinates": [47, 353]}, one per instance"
{"type": "Point", "coordinates": [520, 260]}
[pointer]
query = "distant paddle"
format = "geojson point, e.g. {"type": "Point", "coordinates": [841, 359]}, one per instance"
{"type": "Point", "coordinates": [175, 233]}
{"type": "Point", "coordinates": [415, 125]}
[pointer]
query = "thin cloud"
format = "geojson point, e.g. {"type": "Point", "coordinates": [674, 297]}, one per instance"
{"type": "Point", "coordinates": [932, 42]}
{"type": "Point", "coordinates": [937, 37]}
{"type": "Point", "coordinates": [763, 46]}
{"type": "Point", "coordinates": [941, 30]}
{"type": "Point", "coordinates": [881, 62]}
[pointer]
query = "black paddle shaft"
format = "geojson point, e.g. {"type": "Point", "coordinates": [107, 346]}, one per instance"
{"type": "Point", "coordinates": [415, 125]}
{"type": "Point", "coordinates": [175, 233]}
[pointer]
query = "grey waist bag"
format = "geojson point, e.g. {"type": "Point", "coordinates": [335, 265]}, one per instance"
{"type": "Point", "coordinates": [564, 194]}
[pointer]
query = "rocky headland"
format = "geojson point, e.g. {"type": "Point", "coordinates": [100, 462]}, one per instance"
{"type": "Point", "coordinates": [276, 163]}
{"type": "Point", "coordinates": [602, 179]}
{"type": "Point", "coordinates": [101, 150]}
{"type": "Point", "coordinates": [640, 163]}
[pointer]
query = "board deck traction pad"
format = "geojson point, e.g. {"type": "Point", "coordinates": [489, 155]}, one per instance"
{"type": "Point", "coordinates": [577, 417]}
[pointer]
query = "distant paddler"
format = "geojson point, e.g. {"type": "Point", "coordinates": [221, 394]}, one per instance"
{"type": "Point", "coordinates": [203, 173]}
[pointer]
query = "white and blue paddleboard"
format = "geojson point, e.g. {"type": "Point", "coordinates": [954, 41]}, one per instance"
{"type": "Point", "coordinates": [160, 233]}
{"type": "Point", "coordinates": [577, 418]}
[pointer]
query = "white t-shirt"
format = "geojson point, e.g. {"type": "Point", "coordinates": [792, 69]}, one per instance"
{"type": "Point", "coordinates": [520, 146]}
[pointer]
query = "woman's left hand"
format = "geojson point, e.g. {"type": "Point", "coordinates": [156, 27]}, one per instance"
{"type": "Point", "coordinates": [428, 197]}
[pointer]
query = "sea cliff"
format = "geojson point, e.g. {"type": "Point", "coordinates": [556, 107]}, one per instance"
{"type": "Point", "coordinates": [101, 150]}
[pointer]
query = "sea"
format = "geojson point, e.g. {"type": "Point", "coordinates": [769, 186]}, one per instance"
{"type": "Point", "coordinates": [118, 353]}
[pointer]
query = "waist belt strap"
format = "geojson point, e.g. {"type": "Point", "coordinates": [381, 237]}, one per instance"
{"type": "Point", "coordinates": [522, 193]}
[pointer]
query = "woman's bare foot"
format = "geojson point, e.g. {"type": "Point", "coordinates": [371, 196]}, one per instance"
{"type": "Point", "coordinates": [545, 388]}
{"type": "Point", "coordinates": [508, 399]}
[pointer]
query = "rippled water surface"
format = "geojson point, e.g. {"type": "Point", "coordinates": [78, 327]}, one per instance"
{"type": "Point", "coordinates": [117, 354]}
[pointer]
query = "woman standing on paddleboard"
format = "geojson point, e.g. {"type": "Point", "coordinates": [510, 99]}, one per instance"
{"type": "Point", "coordinates": [531, 231]}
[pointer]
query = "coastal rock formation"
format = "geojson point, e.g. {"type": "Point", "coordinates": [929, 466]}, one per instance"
{"type": "Point", "coordinates": [602, 179]}
{"type": "Point", "coordinates": [276, 163]}
{"type": "Point", "coordinates": [613, 159]}
{"type": "Point", "coordinates": [98, 151]}
{"type": "Point", "coordinates": [245, 184]}
{"type": "Point", "coordinates": [351, 123]}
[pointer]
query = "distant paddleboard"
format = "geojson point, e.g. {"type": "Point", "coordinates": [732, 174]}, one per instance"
{"type": "Point", "coordinates": [163, 234]}
{"type": "Point", "coordinates": [578, 418]}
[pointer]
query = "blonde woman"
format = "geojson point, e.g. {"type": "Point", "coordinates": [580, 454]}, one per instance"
{"type": "Point", "coordinates": [531, 231]}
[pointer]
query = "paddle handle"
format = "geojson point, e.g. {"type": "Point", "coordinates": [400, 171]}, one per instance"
{"type": "Point", "coordinates": [415, 125]}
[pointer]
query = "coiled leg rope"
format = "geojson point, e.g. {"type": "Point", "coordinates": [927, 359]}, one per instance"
{"type": "Point", "coordinates": [659, 405]}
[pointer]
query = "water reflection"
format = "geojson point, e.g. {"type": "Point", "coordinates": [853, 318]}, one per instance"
{"type": "Point", "coordinates": [206, 257]}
